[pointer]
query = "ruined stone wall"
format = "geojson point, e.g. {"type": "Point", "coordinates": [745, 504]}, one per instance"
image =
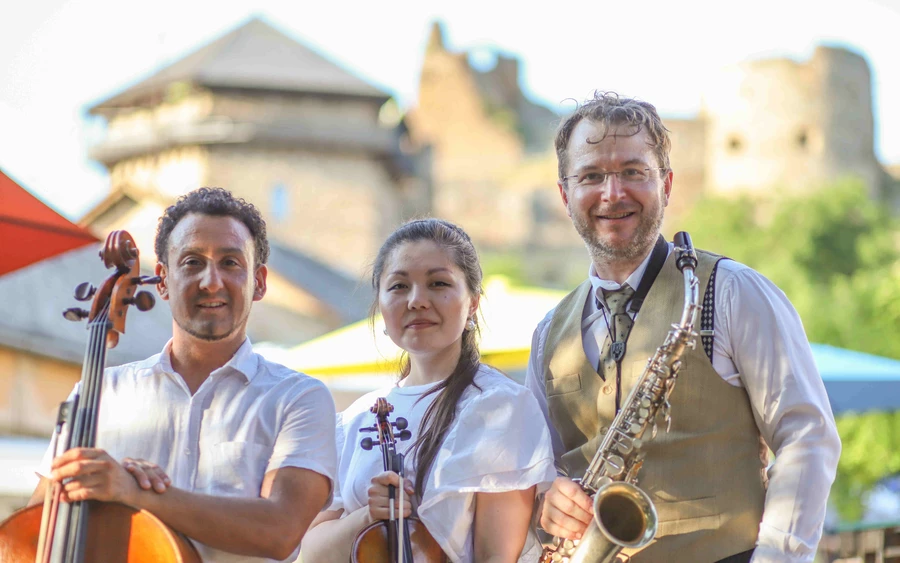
{"type": "Point", "coordinates": [783, 125]}
{"type": "Point", "coordinates": [687, 159]}
{"type": "Point", "coordinates": [474, 146]}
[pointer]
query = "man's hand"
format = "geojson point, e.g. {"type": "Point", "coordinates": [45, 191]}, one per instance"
{"type": "Point", "coordinates": [91, 474]}
{"type": "Point", "coordinates": [379, 500]}
{"type": "Point", "coordinates": [147, 474]}
{"type": "Point", "coordinates": [567, 510]}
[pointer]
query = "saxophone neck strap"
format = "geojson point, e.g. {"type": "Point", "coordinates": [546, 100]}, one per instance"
{"type": "Point", "coordinates": [657, 259]}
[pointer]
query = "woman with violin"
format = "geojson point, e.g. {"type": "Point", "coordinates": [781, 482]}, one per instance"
{"type": "Point", "coordinates": [476, 450]}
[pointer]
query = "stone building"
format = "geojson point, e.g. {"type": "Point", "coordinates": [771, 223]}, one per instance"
{"type": "Point", "coordinates": [276, 123]}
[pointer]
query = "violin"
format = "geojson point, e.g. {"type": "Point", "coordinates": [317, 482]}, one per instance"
{"type": "Point", "coordinates": [399, 539]}
{"type": "Point", "coordinates": [93, 531]}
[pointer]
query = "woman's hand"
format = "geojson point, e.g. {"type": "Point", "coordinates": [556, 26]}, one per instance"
{"type": "Point", "coordinates": [379, 499]}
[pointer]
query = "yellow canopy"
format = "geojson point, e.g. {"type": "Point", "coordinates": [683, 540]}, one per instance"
{"type": "Point", "coordinates": [509, 314]}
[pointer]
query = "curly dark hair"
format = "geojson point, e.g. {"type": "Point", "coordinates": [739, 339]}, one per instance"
{"type": "Point", "coordinates": [216, 202]}
{"type": "Point", "coordinates": [609, 109]}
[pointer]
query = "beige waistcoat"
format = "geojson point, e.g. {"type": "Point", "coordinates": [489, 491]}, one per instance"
{"type": "Point", "coordinates": [706, 476]}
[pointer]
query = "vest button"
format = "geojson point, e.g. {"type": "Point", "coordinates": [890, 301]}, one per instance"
{"type": "Point", "coordinates": [607, 389]}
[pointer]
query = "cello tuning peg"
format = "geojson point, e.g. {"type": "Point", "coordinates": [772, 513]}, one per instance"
{"type": "Point", "coordinates": [143, 300]}
{"type": "Point", "coordinates": [400, 423]}
{"type": "Point", "coordinates": [75, 314]}
{"type": "Point", "coordinates": [144, 280]}
{"type": "Point", "coordinates": [84, 291]}
{"type": "Point", "coordinates": [404, 435]}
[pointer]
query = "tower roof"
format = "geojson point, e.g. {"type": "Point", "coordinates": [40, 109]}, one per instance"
{"type": "Point", "coordinates": [254, 56]}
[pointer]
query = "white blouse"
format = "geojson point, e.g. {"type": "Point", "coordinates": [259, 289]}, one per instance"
{"type": "Point", "coordinates": [498, 442]}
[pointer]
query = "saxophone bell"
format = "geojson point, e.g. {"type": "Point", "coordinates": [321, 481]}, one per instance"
{"type": "Point", "coordinates": [624, 517]}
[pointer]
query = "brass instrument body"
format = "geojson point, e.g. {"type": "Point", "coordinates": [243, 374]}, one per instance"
{"type": "Point", "coordinates": [624, 515]}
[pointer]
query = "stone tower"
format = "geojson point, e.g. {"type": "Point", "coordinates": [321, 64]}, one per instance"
{"type": "Point", "coordinates": [264, 116]}
{"type": "Point", "coordinates": [783, 125]}
{"type": "Point", "coordinates": [491, 146]}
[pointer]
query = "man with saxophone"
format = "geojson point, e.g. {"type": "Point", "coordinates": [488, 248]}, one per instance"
{"type": "Point", "coordinates": [752, 386]}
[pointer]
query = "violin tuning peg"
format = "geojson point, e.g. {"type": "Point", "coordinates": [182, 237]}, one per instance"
{"type": "Point", "coordinates": [400, 423]}
{"type": "Point", "coordinates": [144, 280]}
{"type": "Point", "coordinates": [367, 443]}
{"type": "Point", "coordinates": [404, 435]}
{"type": "Point", "coordinates": [84, 291]}
{"type": "Point", "coordinates": [75, 314]}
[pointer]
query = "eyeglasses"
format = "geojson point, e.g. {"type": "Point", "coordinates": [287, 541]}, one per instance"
{"type": "Point", "coordinates": [595, 178]}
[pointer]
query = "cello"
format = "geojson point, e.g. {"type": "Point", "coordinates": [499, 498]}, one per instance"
{"type": "Point", "coordinates": [399, 539]}
{"type": "Point", "coordinates": [93, 531]}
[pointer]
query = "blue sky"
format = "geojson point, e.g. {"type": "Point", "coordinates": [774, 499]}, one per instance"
{"type": "Point", "coordinates": [58, 57]}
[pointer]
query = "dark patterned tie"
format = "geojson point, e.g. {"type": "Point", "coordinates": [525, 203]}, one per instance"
{"type": "Point", "coordinates": [619, 327]}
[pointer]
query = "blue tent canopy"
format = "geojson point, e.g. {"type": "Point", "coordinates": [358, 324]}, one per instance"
{"type": "Point", "coordinates": [856, 381]}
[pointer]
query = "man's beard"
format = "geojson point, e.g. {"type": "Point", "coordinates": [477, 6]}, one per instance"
{"type": "Point", "coordinates": [206, 330]}
{"type": "Point", "coordinates": [640, 244]}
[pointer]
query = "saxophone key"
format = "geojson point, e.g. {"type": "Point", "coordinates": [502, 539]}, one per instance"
{"type": "Point", "coordinates": [615, 465]}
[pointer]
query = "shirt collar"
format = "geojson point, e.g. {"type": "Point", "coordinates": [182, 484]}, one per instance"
{"type": "Point", "coordinates": [633, 280]}
{"type": "Point", "coordinates": [244, 361]}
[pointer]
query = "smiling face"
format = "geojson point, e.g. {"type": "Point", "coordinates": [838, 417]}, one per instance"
{"type": "Point", "coordinates": [211, 279]}
{"type": "Point", "coordinates": [618, 221]}
{"type": "Point", "coordinates": [424, 299]}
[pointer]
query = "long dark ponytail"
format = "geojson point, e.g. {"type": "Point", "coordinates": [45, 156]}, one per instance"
{"type": "Point", "coordinates": [442, 411]}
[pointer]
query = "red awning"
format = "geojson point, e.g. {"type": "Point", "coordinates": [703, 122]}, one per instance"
{"type": "Point", "coordinates": [30, 231]}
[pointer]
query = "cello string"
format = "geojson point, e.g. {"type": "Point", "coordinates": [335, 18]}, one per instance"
{"type": "Point", "coordinates": [85, 420]}
{"type": "Point", "coordinates": [69, 514]}
{"type": "Point", "coordinates": [99, 360]}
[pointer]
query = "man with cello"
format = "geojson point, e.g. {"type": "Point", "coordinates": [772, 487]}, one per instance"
{"type": "Point", "coordinates": [235, 452]}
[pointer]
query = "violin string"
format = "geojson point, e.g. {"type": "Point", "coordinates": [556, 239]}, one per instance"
{"type": "Point", "coordinates": [400, 537]}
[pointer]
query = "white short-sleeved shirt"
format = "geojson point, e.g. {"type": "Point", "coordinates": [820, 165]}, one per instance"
{"type": "Point", "coordinates": [250, 416]}
{"type": "Point", "coordinates": [499, 442]}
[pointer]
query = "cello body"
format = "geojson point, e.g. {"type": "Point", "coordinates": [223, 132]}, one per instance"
{"type": "Point", "coordinates": [116, 534]}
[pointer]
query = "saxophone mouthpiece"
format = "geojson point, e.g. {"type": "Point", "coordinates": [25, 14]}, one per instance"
{"type": "Point", "coordinates": [684, 251]}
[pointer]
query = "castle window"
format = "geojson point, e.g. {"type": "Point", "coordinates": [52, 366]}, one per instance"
{"type": "Point", "coordinates": [735, 144]}
{"type": "Point", "coordinates": [280, 202]}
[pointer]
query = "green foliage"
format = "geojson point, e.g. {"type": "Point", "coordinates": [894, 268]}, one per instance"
{"type": "Point", "coordinates": [871, 451]}
{"type": "Point", "coordinates": [509, 264]}
{"type": "Point", "coordinates": [835, 255]}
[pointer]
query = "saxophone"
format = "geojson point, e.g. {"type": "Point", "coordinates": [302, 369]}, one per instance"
{"type": "Point", "coordinates": [624, 515]}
